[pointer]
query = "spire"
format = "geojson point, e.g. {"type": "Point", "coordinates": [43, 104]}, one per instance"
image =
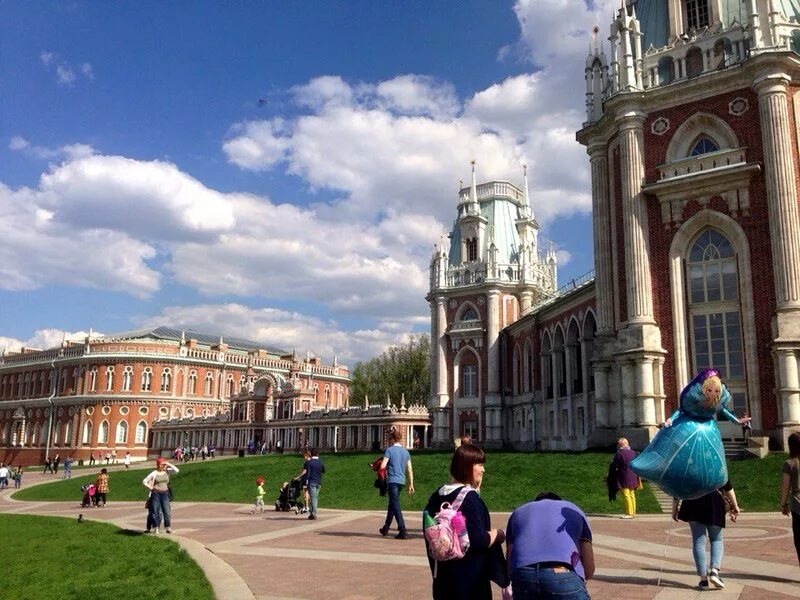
{"type": "Point", "coordinates": [472, 205]}
{"type": "Point", "coordinates": [220, 341]}
{"type": "Point", "coordinates": [528, 205]}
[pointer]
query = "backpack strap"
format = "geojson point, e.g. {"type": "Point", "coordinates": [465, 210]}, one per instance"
{"type": "Point", "coordinates": [460, 498]}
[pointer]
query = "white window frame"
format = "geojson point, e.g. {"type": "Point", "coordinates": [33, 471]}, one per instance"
{"type": "Point", "coordinates": [121, 434]}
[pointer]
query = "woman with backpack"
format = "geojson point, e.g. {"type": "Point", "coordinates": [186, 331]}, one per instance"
{"type": "Point", "coordinates": [467, 577]}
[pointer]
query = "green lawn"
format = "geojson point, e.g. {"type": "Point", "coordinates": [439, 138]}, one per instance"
{"type": "Point", "coordinates": [52, 558]}
{"type": "Point", "coordinates": [511, 479]}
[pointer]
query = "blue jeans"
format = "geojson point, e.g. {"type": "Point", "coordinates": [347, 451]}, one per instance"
{"type": "Point", "coordinates": [535, 583]}
{"type": "Point", "coordinates": [313, 491]}
{"type": "Point", "coordinates": [699, 534]}
{"type": "Point", "coordinates": [160, 507]}
{"type": "Point", "coordinates": [393, 490]}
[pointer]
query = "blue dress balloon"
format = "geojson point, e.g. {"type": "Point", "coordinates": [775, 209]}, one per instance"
{"type": "Point", "coordinates": [686, 458]}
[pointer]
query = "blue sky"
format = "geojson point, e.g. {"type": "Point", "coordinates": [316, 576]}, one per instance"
{"type": "Point", "coordinates": [142, 182]}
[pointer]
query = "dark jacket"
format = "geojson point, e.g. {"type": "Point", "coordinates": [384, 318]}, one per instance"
{"type": "Point", "coordinates": [467, 578]}
{"type": "Point", "coordinates": [626, 478]}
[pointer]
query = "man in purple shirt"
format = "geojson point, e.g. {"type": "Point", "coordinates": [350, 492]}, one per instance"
{"type": "Point", "coordinates": [627, 480]}
{"type": "Point", "coordinates": [549, 549]}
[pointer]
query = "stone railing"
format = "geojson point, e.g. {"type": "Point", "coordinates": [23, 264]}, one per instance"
{"type": "Point", "coordinates": [493, 189]}
{"type": "Point", "coordinates": [538, 274]}
{"type": "Point", "coordinates": [704, 162]}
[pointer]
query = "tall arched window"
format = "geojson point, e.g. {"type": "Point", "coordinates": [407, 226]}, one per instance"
{"type": "Point", "coordinates": [87, 433]}
{"type": "Point", "coordinates": [469, 381]}
{"type": "Point", "coordinates": [231, 386]}
{"type": "Point", "coordinates": [141, 432]}
{"type": "Point", "coordinates": [102, 433]}
{"type": "Point", "coordinates": [68, 433]}
{"type": "Point", "coordinates": [93, 379]}
{"type": "Point", "coordinates": [192, 382]}
{"type": "Point", "coordinates": [166, 379]}
{"type": "Point", "coordinates": [147, 379]}
{"type": "Point", "coordinates": [715, 311]}
{"type": "Point", "coordinates": [127, 379]}
{"type": "Point", "coordinates": [109, 378]}
{"type": "Point", "coordinates": [209, 380]}
{"type": "Point", "coordinates": [122, 432]}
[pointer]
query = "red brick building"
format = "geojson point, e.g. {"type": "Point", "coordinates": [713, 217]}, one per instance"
{"type": "Point", "coordinates": [694, 140]}
{"type": "Point", "coordinates": [105, 393]}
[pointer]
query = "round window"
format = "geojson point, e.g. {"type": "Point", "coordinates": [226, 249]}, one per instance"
{"type": "Point", "coordinates": [60, 412]}
{"type": "Point", "coordinates": [90, 410]}
{"type": "Point", "coordinates": [123, 410]}
{"type": "Point", "coordinates": [143, 410]}
{"type": "Point", "coordinates": [163, 411]}
{"type": "Point", "coordinates": [106, 410]}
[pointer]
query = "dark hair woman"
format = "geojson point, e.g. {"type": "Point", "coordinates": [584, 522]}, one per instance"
{"type": "Point", "coordinates": [467, 577]}
{"type": "Point", "coordinates": [791, 487]}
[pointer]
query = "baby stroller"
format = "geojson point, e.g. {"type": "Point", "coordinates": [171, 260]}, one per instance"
{"type": "Point", "coordinates": [291, 496]}
{"type": "Point", "coordinates": [88, 490]}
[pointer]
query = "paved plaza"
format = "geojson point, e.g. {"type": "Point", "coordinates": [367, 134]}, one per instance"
{"type": "Point", "coordinates": [282, 556]}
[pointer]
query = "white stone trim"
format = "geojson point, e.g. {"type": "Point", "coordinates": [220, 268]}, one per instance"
{"type": "Point", "coordinates": [700, 123]}
{"type": "Point", "coordinates": [677, 253]}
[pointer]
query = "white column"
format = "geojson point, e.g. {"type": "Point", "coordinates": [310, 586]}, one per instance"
{"type": "Point", "coordinates": [601, 227]}
{"type": "Point", "coordinates": [645, 404]}
{"type": "Point", "coordinates": [628, 394]}
{"type": "Point", "coordinates": [441, 397]}
{"type": "Point", "coordinates": [779, 170]}
{"type": "Point", "coordinates": [602, 416]}
{"type": "Point", "coordinates": [634, 219]}
{"type": "Point", "coordinates": [790, 388]}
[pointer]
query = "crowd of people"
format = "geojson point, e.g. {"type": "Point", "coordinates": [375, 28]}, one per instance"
{"type": "Point", "coordinates": [191, 453]}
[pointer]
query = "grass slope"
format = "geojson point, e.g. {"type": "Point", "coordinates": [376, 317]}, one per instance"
{"type": "Point", "coordinates": [511, 479]}
{"type": "Point", "coordinates": [52, 558]}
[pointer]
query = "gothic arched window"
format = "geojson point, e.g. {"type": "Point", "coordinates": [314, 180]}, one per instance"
{"type": "Point", "coordinates": [704, 146]}
{"type": "Point", "coordinates": [470, 315]}
{"type": "Point", "coordinates": [715, 310]}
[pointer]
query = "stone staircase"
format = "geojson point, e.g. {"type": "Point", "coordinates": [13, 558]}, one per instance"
{"type": "Point", "coordinates": [664, 501]}
{"type": "Point", "coordinates": [735, 449]}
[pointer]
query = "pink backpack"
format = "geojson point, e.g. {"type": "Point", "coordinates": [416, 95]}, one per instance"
{"type": "Point", "coordinates": [447, 533]}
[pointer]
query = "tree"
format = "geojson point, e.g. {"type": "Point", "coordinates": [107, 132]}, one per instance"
{"type": "Point", "coordinates": [399, 370]}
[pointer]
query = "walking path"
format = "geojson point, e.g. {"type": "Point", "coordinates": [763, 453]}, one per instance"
{"type": "Point", "coordinates": [283, 556]}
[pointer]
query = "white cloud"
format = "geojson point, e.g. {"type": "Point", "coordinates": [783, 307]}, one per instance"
{"type": "Point", "coordinates": [418, 95]}
{"type": "Point", "coordinates": [151, 200]}
{"type": "Point", "coordinates": [69, 151]}
{"type": "Point", "coordinates": [258, 145]}
{"type": "Point", "coordinates": [66, 74]}
{"type": "Point", "coordinates": [284, 329]}
{"type": "Point", "coordinates": [43, 339]}
{"type": "Point", "coordinates": [37, 250]}
{"type": "Point", "coordinates": [47, 57]}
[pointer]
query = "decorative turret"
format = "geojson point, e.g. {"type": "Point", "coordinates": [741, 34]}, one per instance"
{"type": "Point", "coordinates": [596, 79]}
{"type": "Point", "coordinates": [626, 51]}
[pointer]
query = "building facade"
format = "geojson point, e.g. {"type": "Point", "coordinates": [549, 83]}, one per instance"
{"type": "Point", "coordinates": [693, 138]}
{"type": "Point", "coordinates": [106, 393]}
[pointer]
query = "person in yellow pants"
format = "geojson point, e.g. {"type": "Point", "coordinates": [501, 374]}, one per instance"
{"type": "Point", "coordinates": [627, 480]}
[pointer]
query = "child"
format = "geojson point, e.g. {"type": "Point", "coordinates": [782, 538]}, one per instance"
{"type": "Point", "coordinates": [259, 495]}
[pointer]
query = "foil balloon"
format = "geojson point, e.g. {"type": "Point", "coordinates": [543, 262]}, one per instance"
{"type": "Point", "coordinates": [686, 458]}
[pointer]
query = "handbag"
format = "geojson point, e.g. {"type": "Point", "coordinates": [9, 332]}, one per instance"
{"type": "Point", "coordinates": [149, 503]}
{"type": "Point", "coordinates": [169, 491]}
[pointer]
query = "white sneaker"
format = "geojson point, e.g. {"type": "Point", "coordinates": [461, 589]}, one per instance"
{"type": "Point", "coordinates": [627, 516]}
{"type": "Point", "coordinates": [156, 531]}
{"type": "Point", "coordinates": [715, 580]}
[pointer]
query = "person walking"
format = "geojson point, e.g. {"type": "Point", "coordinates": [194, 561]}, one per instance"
{"type": "Point", "coordinates": [5, 472]}
{"type": "Point", "coordinates": [114, 456]}
{"type": "Point", "coordinates": [158, 483]}
{"type": "Point", "coordinates": [314, 469]}
{"type": "Point", "coordinates": [17, 477]}
{"type": "Point", "coordinates": [259, 496]}
{"type": "Point", "coordinates": [108, 457]}
{"type": "Point", "coordinates": [790, 490]}
{"type": "Point", "coordinates": [68, 467]}
{"type": "Point", "coordinates": [706, 518]}
{"type": "Point", "coordinates": [627, 480]}
{"type": "Point", "coordinates": [101, 488]}
{"type": "Point", "coordinates": [56, 462]}
{"type": "Point", "coordinates": [48, 465]}
{"type": "Point", "coordinates": [550, 553]}
{"type": "Point", "coordinates": [127, 460]}
{"type": "Point", "coordinates": [91, 458]}
{"type": "Point", "coordinates": [470, 576]}
{"type": "Point", "coordinates": [396, 461]}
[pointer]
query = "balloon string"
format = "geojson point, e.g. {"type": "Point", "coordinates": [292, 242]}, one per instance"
{"type": "Point", "coordinates": [663, 558]}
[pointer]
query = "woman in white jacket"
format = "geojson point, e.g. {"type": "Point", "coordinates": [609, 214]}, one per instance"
{"type": "Point", "coordinates": [158, 484]}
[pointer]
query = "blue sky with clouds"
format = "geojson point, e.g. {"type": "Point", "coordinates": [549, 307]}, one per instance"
{"type": "Point", "coordinates": [273, 170]}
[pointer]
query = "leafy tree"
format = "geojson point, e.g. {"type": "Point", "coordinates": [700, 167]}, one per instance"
{"type": "Point", "coordinates": [403, 369]}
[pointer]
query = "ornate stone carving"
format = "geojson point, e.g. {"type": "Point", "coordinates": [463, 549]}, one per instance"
{"type": "Point", "coordinates": [660, 126]}
{"type": "Point", "coordinates": [738, 106]}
